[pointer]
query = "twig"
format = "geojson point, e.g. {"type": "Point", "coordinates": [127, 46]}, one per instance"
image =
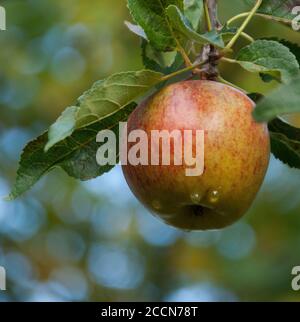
{"type": "Point", "coordinates": [212, 9]}
{"type": "Point", "coordinates": [210, 52]}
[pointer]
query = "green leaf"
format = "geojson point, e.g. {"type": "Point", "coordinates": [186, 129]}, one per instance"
{"type": "Point", "coordinates": [182, 26]}
{"type": "Point", "coordinates": [194, 11]}
{"type": "Point", "coordinates": [136, 29]}
{"type": "Point", "coordinates": [165, 63]}
{"type": "Point", "coordinates": [285, 142]}
{"type": "Point", "coordinates": [151, 16]}
{"type": "Point", "coordinates": [279, 9]}
{"type": "Point", "coordinates": [101, 101]}
{"type": "Point", "coordinates": [76, 154]}
{"type": "Point", "coordinates": [63, 127]}
{"type": "Point", "coordinates": [72, 138]}
{"type": "Point", "coordinates": [283, 100]}
{"type": "Point", "coordinates": [269, 57]}
{"type": "Point", "coordinates": [294, 48]}
{"type": "Point", "coordinates": [162, 59]}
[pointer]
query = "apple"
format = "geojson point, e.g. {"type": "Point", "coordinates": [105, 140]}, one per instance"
{"type": "Point", "coordinates": [236, 155]}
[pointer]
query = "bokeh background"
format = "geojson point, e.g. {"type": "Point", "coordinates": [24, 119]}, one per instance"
{"type": "Point", "coordinates": [67, 240]}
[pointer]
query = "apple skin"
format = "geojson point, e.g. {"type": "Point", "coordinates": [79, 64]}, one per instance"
{"type": "Point", "coordinates": [237, 152]}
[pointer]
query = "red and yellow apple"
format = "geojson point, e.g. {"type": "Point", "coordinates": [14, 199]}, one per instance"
{"type": "Point", "coordinates": [236, 158]}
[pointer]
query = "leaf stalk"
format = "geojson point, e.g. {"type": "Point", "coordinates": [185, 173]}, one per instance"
{"type": "Point", "coordinates": [184, 70]}
{"type": "Point", "coordinates": [244, 25]}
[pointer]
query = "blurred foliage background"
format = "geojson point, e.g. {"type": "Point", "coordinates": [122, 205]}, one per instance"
{"type": "Point", "coordinates": [67, 240]}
